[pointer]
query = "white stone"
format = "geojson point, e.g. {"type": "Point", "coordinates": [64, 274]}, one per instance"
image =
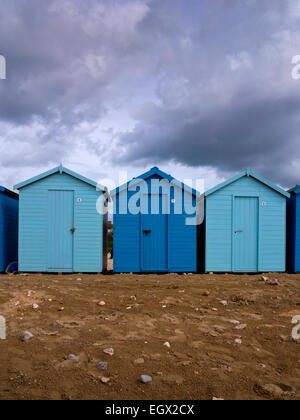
{"type": "Point", "coordinates": [27, 336]}
{"type": "Point", "coordinates": [109, 352]}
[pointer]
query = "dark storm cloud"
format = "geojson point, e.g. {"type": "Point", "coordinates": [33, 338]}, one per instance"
{"type": "Point", "coordinates": [229, 101]}
{"type": "Point", "coordinates": [203, 83]}
{"type": "Point", "coordinates": [66, 65]}
{"type": "Point", "coordinates": [261, 135]}
{"type": "Point", "coordinates": [61, 58]}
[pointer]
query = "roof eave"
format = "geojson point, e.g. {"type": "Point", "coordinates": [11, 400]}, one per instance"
{"type": "Point", "coordinates": [292, 190]}
{"type": "Point", "coordinates": [61, 169]}
{"type": "Point", "coordinates": [148, 174]}
{"type": "Point", "coordinates": [248, 172]}
{"type": "Point", "coordinates": [9, 193]}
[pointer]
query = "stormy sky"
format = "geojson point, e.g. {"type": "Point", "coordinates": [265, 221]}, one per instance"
{"type": "Point", "coordinates": [200, 88]}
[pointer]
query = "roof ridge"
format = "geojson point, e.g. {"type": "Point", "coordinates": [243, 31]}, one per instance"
{"type": "Point", "coordinates": [248, 172]}
{"type": "Point", "coordinates": [61, 169]}
{"type": "Point", "coordinates": [156, 171]}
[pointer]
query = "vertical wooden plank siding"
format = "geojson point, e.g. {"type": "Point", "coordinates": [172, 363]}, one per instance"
{"type": "Point", "coordinates": [9, 208]}
{"type": "Point", "coordinates": [175, 249]}
{"type": "Point", "coordinates": [297, 235]}
{"type": "Point", "coordinates": [293, 230]}
{"type": "Point", "coordinates": [271, 231]}
{"type": "Point", "coordinates": [34, 225]}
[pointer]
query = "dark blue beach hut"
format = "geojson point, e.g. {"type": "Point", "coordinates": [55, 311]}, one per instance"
{"type": "Point", "coordinates": [245, 223]}
{"type": "Point", "coordinates": [293, 231]}
{"type": "Point", "coordinates": [62, 223]}
{"type": "Point", "coordinates": [155, 225]}
{"type": "Point", "coordinates": [9, 208]}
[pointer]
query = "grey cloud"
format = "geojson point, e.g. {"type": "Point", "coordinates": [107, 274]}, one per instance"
{"type": "Point", "coordinates": [261, 135]}
{"type": "Point", "coordinates": [64, 55]}
{"type": "Point", "coordinates": [206, 84]}
{"type": "Point", "coordinates": [229, 101]}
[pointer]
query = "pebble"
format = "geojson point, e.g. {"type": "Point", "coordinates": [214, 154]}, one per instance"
{"type": "Point", "coordinates": [105, 380]}
{"type": "Point", "coordinates": [27, 336]}
{"type": "Point", "coordinates": [234, 322]}
{"type": "Point", "coordinates": [109, 352]}
{"type": "Point", "coordinates": [145, 379]}
{"type": "Point", "coordinates": [102, 365]}
{"type": "Point", "coordinates": [139, 361]}
{"type": "Point", "coordinates": [61, 309]}
{"type": "Point", "coordinates": [241, 327]}
{"type": "Point", "coordinates": [35, 306]}
{"type": "Point", "coordinates": [73, 357]}
{"type": "Point", "coordinates": [263, 366]}
{"type": "Point", "coordinates": [102, 303]}
{"type": "Point", "coordinates": [274, 282]}
{"type": "Point", "coordinates": [238, 341]}
{"type": "Point", "coordinates": [133, 298]}
{"type": "Point", "coordinates": [167, 344]}
{"type": "Point", "coordinates": [224, 302]}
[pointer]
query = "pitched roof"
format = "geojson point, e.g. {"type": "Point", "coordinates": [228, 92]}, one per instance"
{"type": "Point", "coordinates": [155, 171]}
{"type": "Point", "coordinates": [60, 169]}
{"type": "Point", "coordinates": [295, 190]}
{"type": "Point", "coordinates": [249, 173]}
{"type": "Point", "coordinates": [8, 192]}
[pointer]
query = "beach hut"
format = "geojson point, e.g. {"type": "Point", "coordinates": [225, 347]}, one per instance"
{"type": "Point", "coordinates": [155, 225]}
{"type": "Point", "coordinates": [245, 225]}
{"type": "Point", "coordinates": [62, 225]}
{"type": "Point", "coordinates": [293, 231]}
{"type": "Point", "coordinates": [9, 208]}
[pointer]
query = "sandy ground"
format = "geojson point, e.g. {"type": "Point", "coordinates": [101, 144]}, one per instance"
{"type": "Point", "coordinates": [141, 313]}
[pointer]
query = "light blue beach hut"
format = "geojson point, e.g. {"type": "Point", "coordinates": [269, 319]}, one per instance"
{"type": "Point", "coordinates": [9, 208]}
{"type": "Point", "coordinates": [62, 223]}
{"type": "Point", "coordinates": [245, 225]}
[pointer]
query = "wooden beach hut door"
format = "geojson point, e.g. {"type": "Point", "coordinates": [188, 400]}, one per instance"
{"type": "Point", "coordinates": [61, 230]}
{"type": "Point", "coordinates": [154, 234]}
{"type": "Point", "coordinates": [245, 234]}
